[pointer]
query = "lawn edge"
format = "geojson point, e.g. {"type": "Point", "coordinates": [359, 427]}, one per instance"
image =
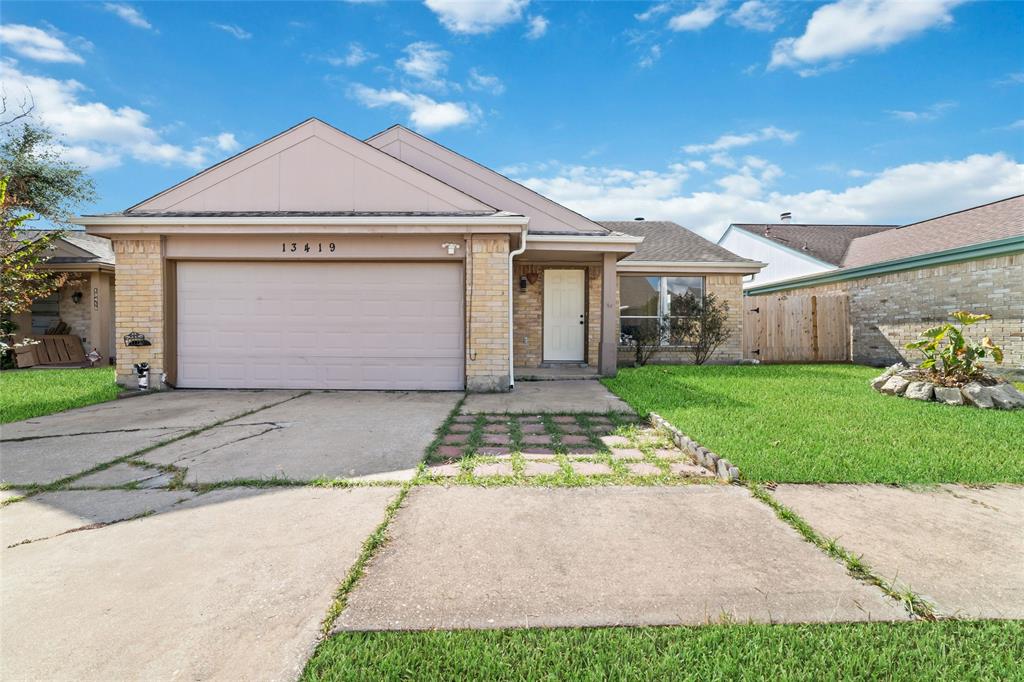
{"type": "Point", "coordinates": [916, 605]}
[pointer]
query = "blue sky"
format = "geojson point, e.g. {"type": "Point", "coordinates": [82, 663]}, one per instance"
{"type": "Point", "coordinates": [701, 112]}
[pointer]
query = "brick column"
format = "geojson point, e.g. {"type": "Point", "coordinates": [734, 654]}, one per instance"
{"type": "Point", "coordinates": [487, 314]}
{"type": "Point", "coordinates": [609, 317]}
{"type": "Point", "coordinates": [140, 306]}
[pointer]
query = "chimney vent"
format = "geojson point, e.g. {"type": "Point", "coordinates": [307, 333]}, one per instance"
{"type": "Point", "coordinates": [786, 218]}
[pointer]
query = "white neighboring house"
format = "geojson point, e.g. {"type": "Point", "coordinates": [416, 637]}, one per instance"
{"type": "Point", "coordinates": [792, 249]}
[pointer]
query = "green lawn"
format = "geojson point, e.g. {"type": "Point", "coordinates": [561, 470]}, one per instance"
{"type": "Point", "coordinates": [31, 393]}
{"type": "Point", "coordinates": [824, 423]}
{"type": "Point", "coordinates": [950, 650]}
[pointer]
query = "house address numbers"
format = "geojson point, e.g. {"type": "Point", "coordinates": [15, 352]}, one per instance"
{"type": "Point", "coordinates": [307, 247]}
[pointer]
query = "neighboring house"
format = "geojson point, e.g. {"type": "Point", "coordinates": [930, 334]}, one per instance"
{"type": "Point", "coordinates": [902, 281]}
{"type": "Point", "coordinates": [85, 302]}
{"type": "Point", "coordinates": [672, 261]}
{"type": "Point", "coordinates": [318, 260]}
{"type": "Point", "coordinates": [793, 250]}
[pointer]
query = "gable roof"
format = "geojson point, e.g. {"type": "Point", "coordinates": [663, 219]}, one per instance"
{"type": "Point", "coordinates": [546, 216]}
{"type": "Point", "coordinates": [988, 222]}
{"type": "Point", "coordinates": [312, 167]}
{"type": "Point", "coordinates": [76, 247]}
{"type": "Point", "coordinates": [665, 241]}
{"type": "Point", "coordinates": [826, 243]}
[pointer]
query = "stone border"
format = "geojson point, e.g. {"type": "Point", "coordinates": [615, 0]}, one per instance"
{"type": "Point", "coordinates": [719, 466]}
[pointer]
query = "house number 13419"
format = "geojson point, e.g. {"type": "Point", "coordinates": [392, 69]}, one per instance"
{"type": "Point", "coordinates": [298, 247]}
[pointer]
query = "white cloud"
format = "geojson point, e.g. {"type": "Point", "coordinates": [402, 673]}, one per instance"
{"type": "Point", "coordinates": [1016, 78]}
{"type": "Point", "coordinates": [233, 29]}
{"type": "Point", "coordinates": [425, 113]}
{"type": "Point", "coordinates": [96, 134]}
{"type": "Point", "coordinates": [928, 114]}
{"type": "Point", "coordinates": [425, 62]}
{"type": "Point", "coordinates": [756, 15]}
{"type": "Point", "coordinates": [484, 82]}
{"type": "Point", "coordinates": [653, 11]}
{"type": "Point", "coordinates": [130, 14]}
{"type": "Point", "coordinates": [476, 16]}
{"type": "Point", "coordinates": [538, 26]}
{"type": "Point", "coordinates": [652, 55]}
{"type": "Point", "coordinates": [357, 54]}
{"type": "Point", "coordinates": [226, 142]}
{"type": "Point", "coordinates": [1016, 125]}
{"type": "Point", "coordinates": [848, 27]}
{"type": "Point", "coordinates": [731, 141]}
{"type": "Point", "coordinates": [699, 18]}
{"type": "Point", "coordinates": [901, 194]}
{"type": "Point", "coordinates": [35, 43]}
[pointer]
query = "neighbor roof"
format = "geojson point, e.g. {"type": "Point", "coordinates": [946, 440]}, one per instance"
{"type": "Point", "coordinates": [828, 243]}
{"type": "Point", "coordinates": [87, 248]}
{"type": "Point", "coordinates": [988, 222]}
{"type": "Point", "coordinates": [665, 241]}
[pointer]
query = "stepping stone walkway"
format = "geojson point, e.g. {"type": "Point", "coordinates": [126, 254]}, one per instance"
{"type": "Point", "coordinates": [590, 468]}
{"type": "Point", "coordinates": [541, 469]}
{"type": "Point", "coordinates": [643, 469]}
{"type": "Point", "coordinates": [619, 454]}
{"type": "Point", "coordinates": [498, 469]}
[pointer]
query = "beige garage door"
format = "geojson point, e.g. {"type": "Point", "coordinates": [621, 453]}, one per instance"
{"type": "Point", "coordinates": [320, 325]}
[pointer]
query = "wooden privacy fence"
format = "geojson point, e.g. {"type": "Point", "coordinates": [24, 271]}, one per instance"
{"type": "Point", "coordinates": [781, 328]}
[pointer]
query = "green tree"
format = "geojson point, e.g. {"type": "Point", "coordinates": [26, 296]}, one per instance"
{"type": "Point", "coordinates": [39, 184]}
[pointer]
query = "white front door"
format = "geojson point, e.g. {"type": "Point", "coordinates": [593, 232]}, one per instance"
{"type": "Point", "coordinates": [565, 321]}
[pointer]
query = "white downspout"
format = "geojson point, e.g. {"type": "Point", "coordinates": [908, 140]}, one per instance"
{"type": "Point", "coordinates": [511, 333]}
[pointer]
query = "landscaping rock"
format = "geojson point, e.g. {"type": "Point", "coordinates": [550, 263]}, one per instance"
{"type": "Point", "coordinates": [949, 396]}
{"type": "Point", "coordinates": [1003, 397]}
{"type": "Point", "coordinates": [977, 395]}
{"type": "Point", "coordinates": [896, 385]}
{"type": "Point", "coordinates": [920, 390]}
{"type": "Point", "coordinates": [879, 381]}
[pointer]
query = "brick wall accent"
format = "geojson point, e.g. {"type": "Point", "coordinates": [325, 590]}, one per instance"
{"type": "Point", "coordinates": [728, 289]}
{"type": "Point", "coordinates": [888, 311]}
{"type": "Point", "coordinates": [76, 315]}
{"type": "Point", "coordinates": [487, 313]}
{"type": "Point", "coordinates": [528, 315]}
{"type": "Point", "coordinates": [140, 305]}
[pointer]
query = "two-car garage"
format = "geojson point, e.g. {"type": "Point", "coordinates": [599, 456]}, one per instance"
{"type": "Point", "coordinates": [327, 324]}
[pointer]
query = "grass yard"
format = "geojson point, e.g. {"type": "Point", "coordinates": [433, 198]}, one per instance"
{"type": "Point", "coordinates": [824, 423]}
{"type": "Point", "coordinates": [32, 393]}
{"type": "Point", "coordinates": [949, 650]}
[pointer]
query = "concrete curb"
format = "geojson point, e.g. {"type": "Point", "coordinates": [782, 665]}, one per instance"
{"type": "Point", "coordinates": [719, 466]}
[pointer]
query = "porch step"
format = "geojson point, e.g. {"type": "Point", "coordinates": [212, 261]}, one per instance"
{"type": "Point", "coordinates": [555, 373]}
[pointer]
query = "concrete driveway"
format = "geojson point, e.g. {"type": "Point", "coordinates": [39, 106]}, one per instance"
{"type": "Point", "coordinates": [245, 435]}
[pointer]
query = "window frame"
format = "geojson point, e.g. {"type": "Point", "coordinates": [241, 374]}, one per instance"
{"type": "Point", "coordinates": [664, 303]}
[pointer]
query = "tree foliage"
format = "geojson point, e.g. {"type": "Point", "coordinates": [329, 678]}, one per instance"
{"type": "Point", "coordinates": [38, 185]}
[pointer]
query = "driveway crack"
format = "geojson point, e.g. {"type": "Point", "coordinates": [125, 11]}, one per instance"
{"type": "Point", "coordinates": [90, 433]}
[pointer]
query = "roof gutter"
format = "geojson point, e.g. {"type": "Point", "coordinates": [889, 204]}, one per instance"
{"type": "Point", "coordinates": [998, 247]}
{"type": "Point", "coordinates": [731, 267]}
{"type": "Point", "coordinates": [133, 221]}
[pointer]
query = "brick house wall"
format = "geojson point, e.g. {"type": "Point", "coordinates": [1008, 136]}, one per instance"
{"type": "Point", "coordinates": [729, 290]}
{"type": "Point", "coordinates": [140, 305]}
{"type": "Point", "coordinates": [528, 314]}
{"type": "Point", "coordinates": [887, 311]}
{"type": "Point", "coordinates": [76, 315]}
{"type": "Point", "coordinates": [487, 314]}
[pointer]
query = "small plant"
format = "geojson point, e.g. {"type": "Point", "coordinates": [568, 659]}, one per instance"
{"type": "Point", "coordinates": [703, 323]}
{"type": "Point", "coordinates": [646, 338]}
{"type": "Point", "coordinates": [959, 357]}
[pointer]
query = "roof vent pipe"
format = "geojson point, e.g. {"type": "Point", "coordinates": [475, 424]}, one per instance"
{"type": "Point", "coordinates": [638, 218]}
{"type": "Point", "coordinates": [786, 218]}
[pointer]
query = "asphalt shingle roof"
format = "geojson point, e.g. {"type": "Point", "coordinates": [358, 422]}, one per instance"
{"type": "Point", "coordinates": [100, 248]}
{"type": "Point", "coordinates": [989, 222]}
{"type": "Point", "coordinates": [666, 241]}
{"type": "Point", "coordinates": [828, 243]}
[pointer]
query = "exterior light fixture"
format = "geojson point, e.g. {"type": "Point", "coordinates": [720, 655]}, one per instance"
{"type": "Point", "coordinates": [77, 297]}
{"type": "Point", "coordinates": [452, 247]}
{"type": "Point", "coordinates": [522, 282]}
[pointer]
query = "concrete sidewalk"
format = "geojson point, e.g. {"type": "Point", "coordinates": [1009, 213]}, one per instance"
{"type": "Point", "coordinates": [537, 397]}
{"type": "Point", "coordinates": [467, 557]}
{"type": "Point", "coordinates": [230, 585]}
{"type": "Point", "coordinates": [961, 548]}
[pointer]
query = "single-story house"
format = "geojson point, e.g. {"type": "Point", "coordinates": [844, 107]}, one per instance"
{"type": "Point", "coordinates": [791, 249]}
{"type": "Point", "coordinates": [84, 303]}
{"type": "Point", "coordinates": [318, 260]}
{"type": "Point", "coordinates": [902, 281]}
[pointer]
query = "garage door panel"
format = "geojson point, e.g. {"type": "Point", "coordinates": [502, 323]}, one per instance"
{"type": "Point", "coordinates": [320, 325]}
